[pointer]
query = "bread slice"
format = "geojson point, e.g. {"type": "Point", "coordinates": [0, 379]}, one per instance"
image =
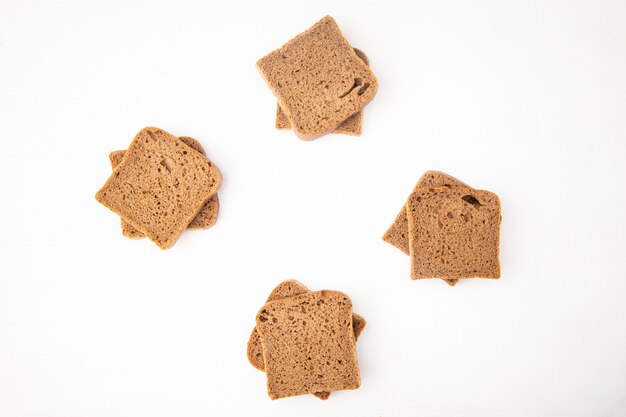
{"type": "Point", "coordinates": [454, 232]}
{"type": "Point", "coordinates": [318, 79]}
{"type": "Point", "coordinates": [160, 186]}
{"type": "Point", "coordinates": [308, 344]}
{"type": "Point", "coordinates": [290, 288]}
{"type": "Point", "coordinates": [204, 220]}
{"type": "Point", "coordinates": [398, 232]}
{"type": "Point", "coordinates": [351, 126]}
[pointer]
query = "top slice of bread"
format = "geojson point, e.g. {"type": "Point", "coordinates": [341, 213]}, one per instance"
{"type": "Point", "coordinates": [160, 186]}
{"type": "Point", "coordinates": [308, 344]}
{"type": "Point", "coordinates": [454, 233]}
{"type": "Point", "coordinates": [288, 288]}
{"type": "Point", "coordinates": [204, 220]}
{"type": "Point", "coordinates": [318, 79]}
{"type": "Point", "coordinates": [351, 126]}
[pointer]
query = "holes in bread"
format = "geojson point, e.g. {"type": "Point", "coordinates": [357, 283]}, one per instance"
{"type": "Point", "coordinates": [471, 200]}
{"type": "Point", "coordinates": [363, 89]}
{"type": "Point", "coordinates": [168, 163]}
{"type": "Point", "coordinates": [357, 83]}
{"type": "Point", "coordinates": [262, 316]}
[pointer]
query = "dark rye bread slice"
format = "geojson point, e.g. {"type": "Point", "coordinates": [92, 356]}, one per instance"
{"type": "Point", "coordinates": [318, 80]}
{"type": "Point", "coordinates": [308, 344]}
{"type": "Point", "coordinates": [398, 232]}
{"type": "Point", "coordinates": [290, 288]}
{"type": "Point", "coordinates": [454, 232]}
{"type": "Point", "coordinates": [160, 186]}
{"type": "Point", "coordinates": [351, 126]}
{"type": "Point", "coordinates": [204, 220]}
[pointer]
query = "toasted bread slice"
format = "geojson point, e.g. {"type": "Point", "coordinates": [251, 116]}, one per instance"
{"type": "Point", "coordinates": [308, 344]}
{"type": "Point", "coordinates": [454, 232]}
{"type": "Point", "coordinates": [160, 186]}
{"type": "Point", "coordinates": [318, 79]}
{"type": "Point", "coordinates": [351, 126]}
{"type": "Point", "coordinates": [204, 220]}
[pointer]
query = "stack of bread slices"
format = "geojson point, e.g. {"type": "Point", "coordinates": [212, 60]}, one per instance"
{"type": "Point", "coordinates": [449, 230]}
{"type": "Point", "coordinates": [305, 342]}
{"type": "Point", "coordinates": [160, 186]}
{"type": "Point", "coordinates": [321, 83]}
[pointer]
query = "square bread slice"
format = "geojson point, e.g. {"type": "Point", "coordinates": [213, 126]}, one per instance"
{"type": "Point", "coordinates": [454, 232]}
{"type": "Point", "coordinates": [398, 233]}
{"type": "Point", "coordinates": [351, 126]}
{"type": "Point", "coordinates": [204, 220]}
{"type": "Point", "coordinates": [160, 186]}
{"type": "Point", "coordinates": [318, 79]}
{"type": "Point", "coordinates": [290, 288]}
{"type": "Point", "coordinates": [308, 344]}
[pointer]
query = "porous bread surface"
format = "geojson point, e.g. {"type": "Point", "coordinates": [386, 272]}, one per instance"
{"type": "Point", "coordinates": [290, 288]}
{"type": "Point", "coordinates": [160, 186]}
{"type": "Point", "coordinates": [204, 220]}
{"type": "Point", "coordinates": [308, 344]}
{"type": "Point", "coordinates": [398, 232]}
{"type": "Point", "coordinates": [129, 231]}
{"type": "Point", "coordinates": [208, 215]}
{"type": "Point", "coordinates": [454, 233]}
{"type": "Point", "coordinates": [318, 79]}
{"type": "Point", "coordinates": [287, 288]}
{"type": "Point", "coordinates": [351, 126]}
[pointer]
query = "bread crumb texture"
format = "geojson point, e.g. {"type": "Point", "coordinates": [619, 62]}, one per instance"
{"type": "Point", "coordinates": [287, 289]}
{"type": "Point", "coordinates": [454, 232]}
{"type": "Point", "coordinates": [160, 186]}
{"type": "Point", "coordinates": [318, 79]}
{"type": "Point", "coordinates": [308, 344]}
{"type": "Point", "coordinates": [204, 220]}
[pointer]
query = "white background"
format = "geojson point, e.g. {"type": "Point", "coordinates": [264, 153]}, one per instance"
{"type": "Point", "coordinates": [523, 98]}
